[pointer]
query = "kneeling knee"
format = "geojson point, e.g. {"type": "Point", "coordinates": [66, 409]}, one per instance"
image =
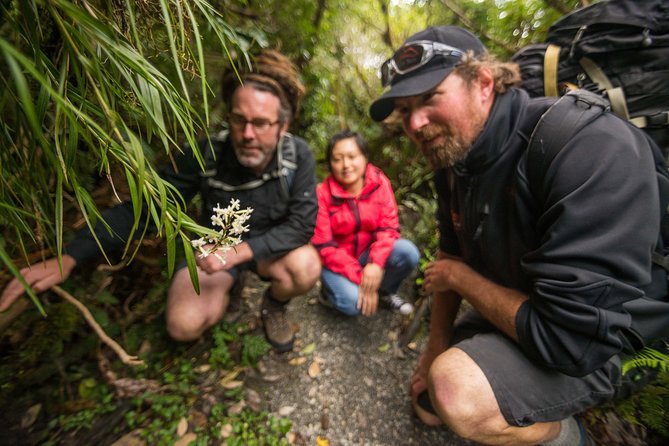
{"type": "Point", "coordinates": [464, 408]}
{"type": "Point", "coordinates": [304, 279]}
{"type": "Point", "coordinates": [184, 326]}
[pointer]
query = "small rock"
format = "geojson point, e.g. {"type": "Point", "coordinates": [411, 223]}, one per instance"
{"type": "Point", "coordinates": [286, 411]}
{"type": "Point", "coordinates": [253, 400]}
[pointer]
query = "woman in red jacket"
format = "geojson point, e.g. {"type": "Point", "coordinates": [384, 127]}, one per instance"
{"type": "Point", "coordinates": [357, 233]}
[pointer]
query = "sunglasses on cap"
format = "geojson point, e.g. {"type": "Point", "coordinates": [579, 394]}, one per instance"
{"type": "Point", "coordinates": [414, 55]}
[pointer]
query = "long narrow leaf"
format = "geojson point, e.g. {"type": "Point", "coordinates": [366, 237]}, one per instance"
{"type": "Point", "coordinates": [59, 214]}
{"type": "Point", "coordinates": [164, 6]}
{"type": "Point", "coordinates": [191, 264]}
{"type": "Point", "coordinates": [24, 94]}
{"type": "Point", "coordinates": [15, 271]}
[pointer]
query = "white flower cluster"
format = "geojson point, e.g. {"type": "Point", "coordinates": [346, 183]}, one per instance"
{"type": "Point", "coordinates": [231, 221]}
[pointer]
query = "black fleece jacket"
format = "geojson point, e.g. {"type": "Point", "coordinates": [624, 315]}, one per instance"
{"type": "Point", "coordinates": [580, 252]}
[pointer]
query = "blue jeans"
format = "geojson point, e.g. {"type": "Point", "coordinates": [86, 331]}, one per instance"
{"type": "Point", "coordinates": [343, 293]}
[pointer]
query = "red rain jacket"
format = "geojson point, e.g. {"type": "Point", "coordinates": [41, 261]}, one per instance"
{"type": "Point", "coordinates": [346, 225]}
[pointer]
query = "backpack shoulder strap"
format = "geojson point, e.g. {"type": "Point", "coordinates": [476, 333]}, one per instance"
{"type": "Point", "coordinates": [287, 162]}
{"type": "Point", "coordinates": [555, 128]}
{"type": "Point", "coordinates": [616, 95]}
{"type": "Point", "coordinates": [285, 172]}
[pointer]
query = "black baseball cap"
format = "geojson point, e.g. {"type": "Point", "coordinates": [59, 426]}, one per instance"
{"type": "Point", "coordinates": [432, 73]}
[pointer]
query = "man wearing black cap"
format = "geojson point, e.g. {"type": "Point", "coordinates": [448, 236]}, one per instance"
{"type": "Point", "coordinates": [557, 282]}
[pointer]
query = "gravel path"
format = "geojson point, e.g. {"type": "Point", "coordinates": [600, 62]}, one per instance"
{"type": "Point", "coordinates": [344, 381]}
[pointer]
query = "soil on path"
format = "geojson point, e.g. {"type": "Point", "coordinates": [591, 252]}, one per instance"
{"type": "Point", "coordinates": [345, 381]}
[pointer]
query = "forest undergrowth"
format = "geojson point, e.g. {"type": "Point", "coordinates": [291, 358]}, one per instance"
{"type": "Point", "coordinates": [60, 385]}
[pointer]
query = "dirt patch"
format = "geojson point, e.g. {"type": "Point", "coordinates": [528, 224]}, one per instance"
{"type": "Point", "coordinates": [344, 381]}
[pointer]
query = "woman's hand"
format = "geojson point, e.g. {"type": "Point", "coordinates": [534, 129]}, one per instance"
{"type": "Point", "coordinates": [368, 298]}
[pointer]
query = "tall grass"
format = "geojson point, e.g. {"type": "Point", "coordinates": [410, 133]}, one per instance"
{"type": "Point", "coordinates": [89, 86]}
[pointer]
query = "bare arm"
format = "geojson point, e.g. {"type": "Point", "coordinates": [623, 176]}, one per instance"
{"type": "Point", "coordinates": [41, 277]}
{"type": "Point", "coordinates": [449, 280]}
{"type": "Point", "coordinates": [444, 307]}
{"type": "Point", "coordinates": [496, 303]}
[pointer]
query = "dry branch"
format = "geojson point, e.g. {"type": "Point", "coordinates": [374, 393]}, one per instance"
{"type": "Point", "coordinates": [120, 352]}
{"type": "Point", "coordinates": [462, 16]}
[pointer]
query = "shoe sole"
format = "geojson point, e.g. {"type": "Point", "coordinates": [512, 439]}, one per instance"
{"type": "Point", "coordinates": [281, 348]}
{"type": "Point", "coordinates": [425, 411]}
{"type": "Point", "coordinates": [406, 312]}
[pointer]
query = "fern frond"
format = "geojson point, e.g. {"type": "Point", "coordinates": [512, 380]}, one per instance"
{"type": "Point", "coordinates": [648, 357]}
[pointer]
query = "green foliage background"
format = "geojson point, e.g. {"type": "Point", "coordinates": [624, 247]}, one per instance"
{"type": "Point", "coordinates": [96, 93]}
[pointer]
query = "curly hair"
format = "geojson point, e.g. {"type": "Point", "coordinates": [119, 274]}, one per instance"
{"type": "Point", "coordinates": [506, 74]}
{"type": "Point", "coordinates": [273, 72]}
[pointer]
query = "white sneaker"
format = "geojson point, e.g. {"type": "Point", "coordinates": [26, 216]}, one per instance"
{"type": "Point", "coordinates": [395, 303]}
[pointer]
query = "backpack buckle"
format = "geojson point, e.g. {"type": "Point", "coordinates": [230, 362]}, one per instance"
{"type": "Point", "coordinates": [658, 119]}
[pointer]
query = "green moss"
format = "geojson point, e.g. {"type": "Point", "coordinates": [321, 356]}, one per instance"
{"type": "Point", "coordinates": [48, 335]}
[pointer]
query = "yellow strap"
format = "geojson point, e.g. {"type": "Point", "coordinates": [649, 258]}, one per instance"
{"type": "Point", "coordinates": [616, 95]}
{"type": "Point", "coordinates": [618, 103]}
{"type": "Point", "coordinates": [551, 59]}
{"type": "Point", "coordinates": [643, 121]}
{"type": "Point", "coordinates": [640, 121]}
{"type": "Point", "coordinates": [596, 74]}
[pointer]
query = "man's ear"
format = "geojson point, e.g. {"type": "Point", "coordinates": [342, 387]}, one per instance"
{"type": "Point", "coordinates": [486, 84]}
{"type": "Point", "coordinates": [284, 128]}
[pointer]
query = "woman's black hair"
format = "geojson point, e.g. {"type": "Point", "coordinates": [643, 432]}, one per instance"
{"type": "Point", "coordinates": [345, 134]}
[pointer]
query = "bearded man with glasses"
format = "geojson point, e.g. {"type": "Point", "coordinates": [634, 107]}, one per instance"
{"type": "Point", "coordinates": [557, 272]}
{"type": "Point", "coordinates": [244, 163]}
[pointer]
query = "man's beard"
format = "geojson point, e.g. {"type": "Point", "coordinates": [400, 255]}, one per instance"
{"type": "Point", "coordinates": [456, 143]}
{"type": "Point", "coordinates": [450, 152]}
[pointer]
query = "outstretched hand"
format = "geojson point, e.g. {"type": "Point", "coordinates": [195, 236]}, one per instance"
{"type": "Point", "coordinates": [40, 277]}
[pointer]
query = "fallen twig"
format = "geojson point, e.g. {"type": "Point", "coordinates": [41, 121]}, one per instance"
{"type": "Point", "coordinates": [122, 354]}
{"type": "Point", "coordinates": [415, 323]}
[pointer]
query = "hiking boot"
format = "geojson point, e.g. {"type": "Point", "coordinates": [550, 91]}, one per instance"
{"type": "Point", "coordinates": [278, 331]}
{"type": "Point", "coordinates": [395, 303]}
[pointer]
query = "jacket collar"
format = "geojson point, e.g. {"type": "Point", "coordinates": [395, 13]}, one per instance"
{"type": "Point", "coordinates": [501, 126]}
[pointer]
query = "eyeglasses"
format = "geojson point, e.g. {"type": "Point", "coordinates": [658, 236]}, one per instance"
{"type": "Point", "coordinates": [259, 125]}
{"type": "Point", "coordinates": [414, 55]}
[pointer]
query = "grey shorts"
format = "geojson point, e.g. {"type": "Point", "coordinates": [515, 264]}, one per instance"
{"type": "Point", "coordinates": [528, 393]}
